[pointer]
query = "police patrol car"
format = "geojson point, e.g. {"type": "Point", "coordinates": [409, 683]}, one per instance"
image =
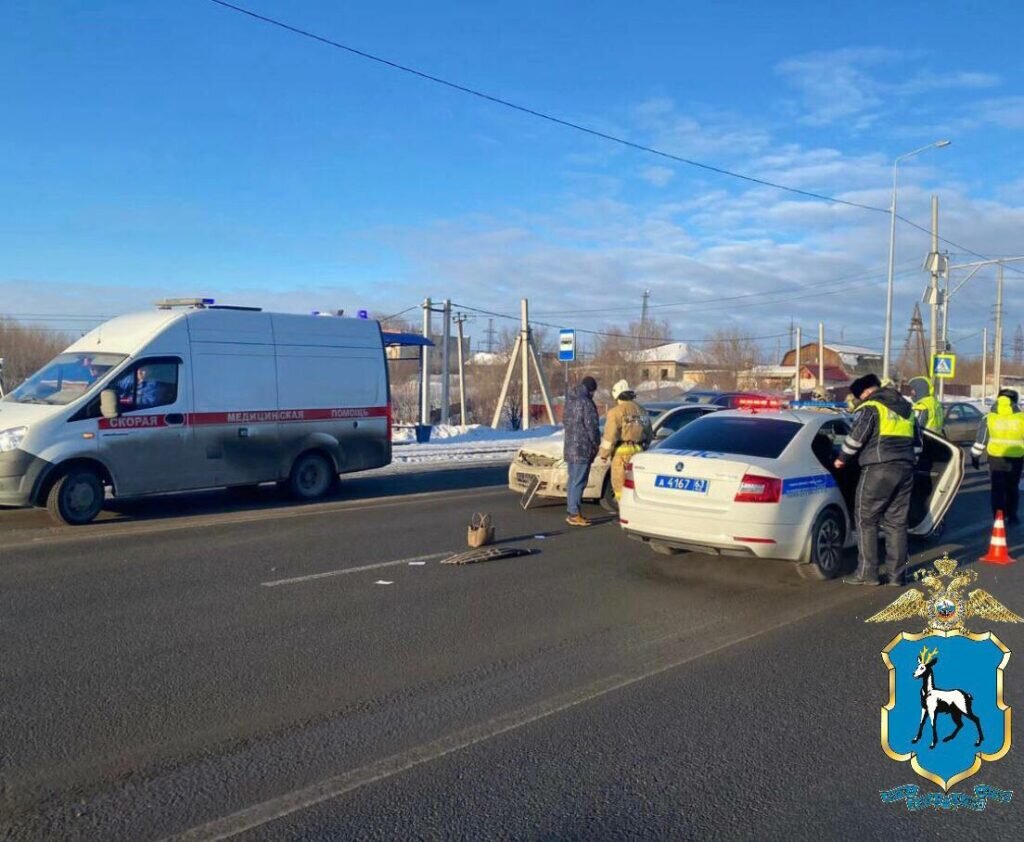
{"type": "Point", "coordinates": [759, 481]}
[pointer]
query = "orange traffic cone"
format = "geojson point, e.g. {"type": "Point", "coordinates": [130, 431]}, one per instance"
{"type": "Point", "coordinates": [997, 551]}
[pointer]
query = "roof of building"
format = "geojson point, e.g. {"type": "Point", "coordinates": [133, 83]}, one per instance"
{"type": "Point", "coordinates": [671, 352]}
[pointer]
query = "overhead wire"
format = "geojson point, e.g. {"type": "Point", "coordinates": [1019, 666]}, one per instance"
{"type": "Point", "coordinates": [560, 121]}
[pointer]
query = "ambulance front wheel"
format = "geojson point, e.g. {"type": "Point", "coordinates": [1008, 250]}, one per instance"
{"type": "Point", "coordinates": [76, 497]}
{"type": "Point", "coordinates": [312, 476]}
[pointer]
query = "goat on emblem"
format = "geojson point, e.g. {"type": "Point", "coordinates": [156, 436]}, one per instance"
{"type": "Point", "coordinates": [957, 703]}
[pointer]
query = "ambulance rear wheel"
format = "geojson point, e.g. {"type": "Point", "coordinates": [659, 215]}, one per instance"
{"type": "Point", "coordinates": [76, 497]}
{"type": "Point", "coordinates": [312, 476]}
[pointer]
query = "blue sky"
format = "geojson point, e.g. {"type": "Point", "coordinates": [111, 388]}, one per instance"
{"type": "Point", "coordinates": [154, 148]}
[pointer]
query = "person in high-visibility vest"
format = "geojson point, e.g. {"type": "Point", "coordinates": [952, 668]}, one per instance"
{"type": "Point", "coordinates": [1001, 436]}
{"type": "Point", "coordinates": [885, 440]}
{"type": "Point", "coordinates": [926, 405]}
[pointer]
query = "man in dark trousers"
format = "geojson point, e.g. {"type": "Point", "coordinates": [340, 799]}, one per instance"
{"type": "Point", "coordinates": [885, 439]}
{"type": "Point", "coordinates": [582, 440]}
{"type": "Point", "coordinates": [1001, 436]}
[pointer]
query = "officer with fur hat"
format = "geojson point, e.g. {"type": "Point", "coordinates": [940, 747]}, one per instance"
{"type": "Point", "coordinates": [885, 440]}
{"type": "Point", "coordinates": [627, 431]}
{"type": "Point", "coordinates": [1001, 436]}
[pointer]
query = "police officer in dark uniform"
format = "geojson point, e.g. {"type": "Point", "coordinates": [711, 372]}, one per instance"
{"type": "Point", "coordinates": [885, 440]}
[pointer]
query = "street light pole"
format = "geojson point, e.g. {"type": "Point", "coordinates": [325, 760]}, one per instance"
{"type": "Point", "coordinates": [887, 350]}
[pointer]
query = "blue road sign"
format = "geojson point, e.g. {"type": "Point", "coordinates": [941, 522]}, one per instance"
{"type": "Point", "coordinates": [944, 365]}
{"type": "Point", "coordinates": [567, 345]}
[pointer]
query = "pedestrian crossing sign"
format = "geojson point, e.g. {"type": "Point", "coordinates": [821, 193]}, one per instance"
{"type": "Point", "coordinates": [944, 365]}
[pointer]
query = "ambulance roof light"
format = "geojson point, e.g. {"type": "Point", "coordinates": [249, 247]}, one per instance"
{"type": "Point", "coordinates": [168, 303]}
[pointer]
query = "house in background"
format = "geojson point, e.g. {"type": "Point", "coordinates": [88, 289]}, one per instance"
{"type": "Point", "coordinates": [665, 363]}
{"type": "Point", "coordinates": [852, 360]}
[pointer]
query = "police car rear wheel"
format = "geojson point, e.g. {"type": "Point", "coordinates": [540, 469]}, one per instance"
{"type": "Point", "coordinates": [312, 476]}
{"type": "Point", "coordinates": [76, 498]}
{"type": "Point", "coordinates": [828, 535]}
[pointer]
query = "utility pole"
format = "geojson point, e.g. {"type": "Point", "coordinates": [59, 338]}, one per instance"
{"type": "Point", "coordinates": [997, 364]}
{"type": "Point", "coordinates": [459, 319]}
{"type": "Point", "coordinates": [933, 291]}
{"type": "Point", "coordinates": [984, 362]}
{"type": "Point", "coordinates": [796, 382]}
{"type": "Point", "coordinates": [821, 356]}
{"type": "Point", "coordinates": [524, 346]}
{"type": "Point", "coordinates": [446, 341]}
{"type": "Point", "coordinates": [425, 366]}
{"type": "Point", "coordinates": [643, 318]}
{"type": "Point", "coordinates": [489, 333]}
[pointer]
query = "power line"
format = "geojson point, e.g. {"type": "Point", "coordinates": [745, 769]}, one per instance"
{"type": "Point", "coordinates": [569, 124]}
{"type": "Point", "coordinates": [606, 333]}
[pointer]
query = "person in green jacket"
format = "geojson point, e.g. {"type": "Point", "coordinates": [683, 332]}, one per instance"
{"type": "Point", "coordinates": [1001, 437]}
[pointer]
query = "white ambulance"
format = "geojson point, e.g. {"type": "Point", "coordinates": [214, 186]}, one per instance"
{"type": "Point", "coordinates": [193, 395]}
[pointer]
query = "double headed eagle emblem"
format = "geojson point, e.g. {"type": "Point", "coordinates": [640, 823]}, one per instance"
{"type": "Point", "coordinates": [947, 607]}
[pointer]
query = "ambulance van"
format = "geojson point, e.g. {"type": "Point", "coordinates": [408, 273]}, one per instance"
{"type": "Point", "coordinates": [192, 396]}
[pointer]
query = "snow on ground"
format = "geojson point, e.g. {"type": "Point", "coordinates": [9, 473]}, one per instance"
{"type": "Point", "coordinates": [453, 445]}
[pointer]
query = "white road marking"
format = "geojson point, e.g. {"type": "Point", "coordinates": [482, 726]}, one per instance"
{"type": "Point", "coordinates": [383, 582]}
{"type": "Point", "coordinates": [334, 787]}
{"type": "Point", "coordinates": [420, 559]}
{"type": "Point", "coordinates": [416, 563]}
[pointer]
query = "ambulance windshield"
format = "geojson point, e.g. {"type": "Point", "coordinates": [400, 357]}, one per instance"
{"type": "Point", "coordinates": [65, 378]}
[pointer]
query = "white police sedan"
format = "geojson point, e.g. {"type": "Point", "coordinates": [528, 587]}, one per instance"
{"type": "Point", "coordinates": [761, 483]}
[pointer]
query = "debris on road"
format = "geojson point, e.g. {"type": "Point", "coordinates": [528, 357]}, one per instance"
{"type": "Point", "coordinates": [486, 554]}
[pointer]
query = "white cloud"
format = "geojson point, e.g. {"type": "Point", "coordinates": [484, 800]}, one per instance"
{"type": "Point", "coordinates": [658, 176]}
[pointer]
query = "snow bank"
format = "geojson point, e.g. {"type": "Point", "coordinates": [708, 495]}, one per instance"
{"type": "Point", "coordinates": [455, 433]}
{"type": "Point", "coordinates": [453, 445]}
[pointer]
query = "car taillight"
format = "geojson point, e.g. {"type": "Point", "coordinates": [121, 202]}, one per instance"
{"type": "Point", "coordinates": [758, 489]}
{"type": "Point", "coordinates": [628, 481]}
{"type": "Point", "coordinates": [389, 422]}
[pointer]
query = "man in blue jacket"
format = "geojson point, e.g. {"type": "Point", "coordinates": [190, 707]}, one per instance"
{"type": "Point", "coordinates": [582, 440]}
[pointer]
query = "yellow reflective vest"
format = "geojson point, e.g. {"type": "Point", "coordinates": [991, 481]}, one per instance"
{"type": "Point", "coordinates": [1005, 434]}
{"type": "Point", "coordinates": [891, 423]}
{"type": "Point", "coordinates": [931, 405]}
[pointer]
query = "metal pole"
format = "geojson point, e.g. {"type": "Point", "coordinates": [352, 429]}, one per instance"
{"type": "Point", "coordinates": [796, 381]}
{"type": "Point", "coordinates": [459, 319]}
{"type": "Point", "coordinates": [542, 380]}
{"type": "Point", "coordinates": [997, 364]}
{"type": "Point", "coordinates": [425, 367]}
{"type": "Point", "coordinates": [446, 341]}
{"type": "Point", "coordinates": [984, 362]}
{"type": "Point", "coordinates": [821, 356]}
{"type": "Point", "coordinates": [887, 349]}
{"type": "Point", "coordinates": [945, 332]}
{"type": "Point", "coordinates": [933, 333]}
{"type": "Point", "coordinates": [524, 346]}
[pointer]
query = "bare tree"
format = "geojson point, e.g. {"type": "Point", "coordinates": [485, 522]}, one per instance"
{"type": "Point", "coordinates": [26, 348]}
{"type": "Point", "coordinates": [728, 352]}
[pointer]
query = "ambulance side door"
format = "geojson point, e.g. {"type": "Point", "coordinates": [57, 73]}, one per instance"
{"type": "Point", "coordinates": [148, 446]}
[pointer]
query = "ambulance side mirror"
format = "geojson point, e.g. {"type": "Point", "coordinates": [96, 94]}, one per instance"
{"type": "Point", "coordinates": [108, 403]}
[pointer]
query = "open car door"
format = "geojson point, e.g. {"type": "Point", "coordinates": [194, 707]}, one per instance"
{"type": "Point", "coordinates": [937, 479]}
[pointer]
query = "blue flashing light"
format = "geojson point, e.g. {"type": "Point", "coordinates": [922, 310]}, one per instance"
{"type": "Point", "coordinates": [208, 302]}
{"type": "Point", "coordinates": [816, 405]}
{"type": "Point", "coordinates": [363, 314]}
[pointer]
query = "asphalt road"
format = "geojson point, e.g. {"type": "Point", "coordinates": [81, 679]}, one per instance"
{"type": "Point", "coordinates": [206, 666]}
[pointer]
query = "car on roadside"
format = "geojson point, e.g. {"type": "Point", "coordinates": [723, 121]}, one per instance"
{"type": "Point", "coordinates": [762, 483]}
{"type": "Point", "coordinates": [542, 458]}
{"type": "Point", "coordinates": [961, 421]}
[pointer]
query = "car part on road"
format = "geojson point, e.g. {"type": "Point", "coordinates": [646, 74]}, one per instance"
{"type": "Point", "coordinates": [76, 497]}
{"type": "Point", "coordinates": [664, 549]}
{"type": "Point", "coordinates": [486, 554]}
